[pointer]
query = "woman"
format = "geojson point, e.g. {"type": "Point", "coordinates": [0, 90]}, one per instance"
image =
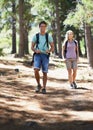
{"type": "Point", "coordinates": [70, 54]}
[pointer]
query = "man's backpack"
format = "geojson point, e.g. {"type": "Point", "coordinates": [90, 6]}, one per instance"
{"type": "Point", "coordinates": [65, 50]}
{"type": "Point", "coordinates": [37, 42]}
{"type": "Point", "coordinates": [37, 39]}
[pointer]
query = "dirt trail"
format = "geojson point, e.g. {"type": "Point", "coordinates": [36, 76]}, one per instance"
{"type": "Point", "coordinates": [61, 108]}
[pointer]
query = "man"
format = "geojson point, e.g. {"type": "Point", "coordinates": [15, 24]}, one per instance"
{"type": "Point", "coordinates": [41, 57]}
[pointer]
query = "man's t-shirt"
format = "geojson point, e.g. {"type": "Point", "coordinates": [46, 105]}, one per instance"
{"type": "Point", "coordinates": [42, 46]}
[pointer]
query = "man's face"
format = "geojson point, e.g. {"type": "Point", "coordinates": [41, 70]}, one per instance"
{"type": "Point", "coordinates": [42, 28]}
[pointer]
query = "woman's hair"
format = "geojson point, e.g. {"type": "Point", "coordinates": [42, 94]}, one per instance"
{"type": "Point", "coordinates": [66, 36]}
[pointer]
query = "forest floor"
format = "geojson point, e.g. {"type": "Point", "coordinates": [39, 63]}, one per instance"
{"type": "Point", "coordinates": [62, 108]}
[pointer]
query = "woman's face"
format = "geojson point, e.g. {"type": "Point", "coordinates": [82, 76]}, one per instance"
{"type": "Point", "coordinates": [70, 35]}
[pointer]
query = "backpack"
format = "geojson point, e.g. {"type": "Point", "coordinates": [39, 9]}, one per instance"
{"type": "Point", "coordinates": [37, 42]}
{"type": "Point", "coordinates": [65, 50]}
{"type": "Point", "coordinates": [37, 39]}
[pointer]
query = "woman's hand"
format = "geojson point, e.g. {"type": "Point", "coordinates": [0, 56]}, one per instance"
{"type": "Point", "coordinates": [64, 60]}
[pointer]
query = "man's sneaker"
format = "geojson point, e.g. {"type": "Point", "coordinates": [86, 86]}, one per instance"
{"type": "Point", "coordinates": [44, 91]}
{"type": "Point", "coordinates": [75, 86]}
{"type": "Point", "coordinates": [38, 88]}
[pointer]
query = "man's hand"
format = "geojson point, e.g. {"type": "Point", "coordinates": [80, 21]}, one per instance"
{"type": "Point", "coordinates": [37, 51]}
{"type": "Point", "coordinates": [47, 51]}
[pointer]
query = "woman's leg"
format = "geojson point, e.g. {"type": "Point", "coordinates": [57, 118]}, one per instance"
{"type": "Point", "coordinates": [74, 74]}
{"type": "Point", "coordinates": [70, 76]}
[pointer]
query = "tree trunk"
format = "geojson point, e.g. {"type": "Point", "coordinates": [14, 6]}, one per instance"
{"type": "Point", "coordinates": [13, 29]}
{"type": "Point", "coordinates": [85, 48]}
{"type": "Point", "coordinates": [54, 37]}
{"type": "Point", "coordinates": [78, 38]}
{"type": "Point", "coordinates": [58, 28]}
{"type": "Point", "coordinates": [89, 44]}
{"type": "Point", "coordinates": [26, 48]}
{"type": "Point", "coordinates": [21, 28]}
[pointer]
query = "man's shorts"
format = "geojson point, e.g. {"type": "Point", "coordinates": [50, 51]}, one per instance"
{"type": "Point", "coordinates": [41, 61]}
{"type": "Point", "coordinates": [71, 63]}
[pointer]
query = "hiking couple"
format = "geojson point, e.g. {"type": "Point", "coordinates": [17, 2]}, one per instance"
{"type": "Point", "coordinates": [42, 45]}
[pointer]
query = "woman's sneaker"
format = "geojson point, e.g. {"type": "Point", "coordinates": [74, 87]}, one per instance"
{"type": "Point", "coordinates": [75, 86]}
{"type": "Point", "coordinates": [38, 88]}
{"type": "Point", "coordinates": [43, 91]}
{"type": "Point", "coordinates": [72, 85]}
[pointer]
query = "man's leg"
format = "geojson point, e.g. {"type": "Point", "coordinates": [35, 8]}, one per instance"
{"type": "Point", "coordinates": [45, 64]}
{"type": "Point", "coordinates": [44, 80]}
{"type": "Point", "coordinates": [37, 77]}
{"type": "Point", "coordinates": [37, 64]}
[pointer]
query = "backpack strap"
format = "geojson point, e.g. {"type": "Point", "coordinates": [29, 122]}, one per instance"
{"type": "Point", "coordinates": [37, 39]}
{"type": "Point", "coordinates": [75, 42]}
{"type": "Point", "coordinates": [76, 45]}
{"type": "Point", "coordinates": [47, 39]}
{"type": "Point", "coordinates": [65, 50]}
{"type": "Point", "coordinates": [66, 45]}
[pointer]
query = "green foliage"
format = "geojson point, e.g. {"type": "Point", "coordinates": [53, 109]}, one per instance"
{"type": "Point", "coordinates": [35, 11]}
{"type": "Point", "coordinates": [1, 52]}
{"type": "Point", "coordinates": [43, 10]}
{"type": "Point", "coordinates": [82, 14]}
{"type": "Point", "coordinates": [82, 46]}
{"type": "Point", "coordinates": [5, 42]}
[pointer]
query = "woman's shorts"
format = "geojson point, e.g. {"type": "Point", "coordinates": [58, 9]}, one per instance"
{"type": "Point", "coordinates": [71, 63]}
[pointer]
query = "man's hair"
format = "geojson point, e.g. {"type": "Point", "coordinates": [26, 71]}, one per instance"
{"type": "Point", "coordinates": [42, 22]}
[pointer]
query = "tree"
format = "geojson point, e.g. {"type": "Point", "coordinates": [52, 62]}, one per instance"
{"type": "Point", "coordinates": [25, 20]}
{"type": "Point", "coordinates": [89, 44]}
{"type": "Point", "coordinates": [46, 9]}
{"type": "Point", "coordinates": [9, 17]}
{"type": "Point", "coordinates": [21, 28]}
{"type": "Point", "coordinates": [53, 25]}
{"type": "Point", "coordinates": [28, 18]}
{"type": "Point", "coordinates": [58, 27]}
{"type": "Point", "coordinates": [13, 28]}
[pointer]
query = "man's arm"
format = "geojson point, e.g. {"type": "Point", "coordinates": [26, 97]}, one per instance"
{"type": "Point", "coordinates": [51, 48]}
{"type": "Point", "coordinates": [33, 48]}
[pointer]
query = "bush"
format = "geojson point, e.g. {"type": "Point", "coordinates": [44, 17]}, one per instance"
{"type": "Point", "coordinates": [1, 52]}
